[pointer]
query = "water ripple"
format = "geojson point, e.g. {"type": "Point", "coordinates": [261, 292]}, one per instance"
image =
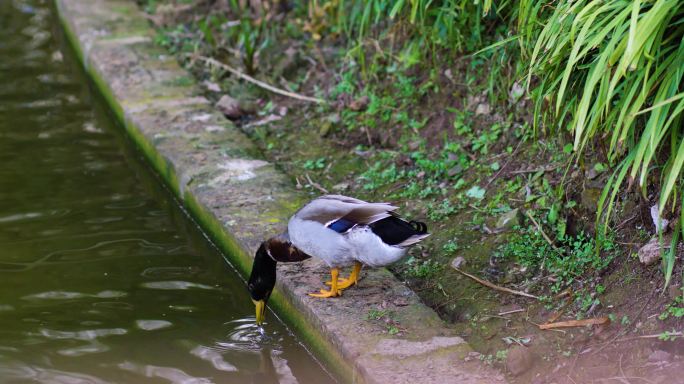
{"type": "Point", "coordinates": [86, 335]}
{"type": "Point", "coordinates": [174, 375]}
{"type": "Point", "coordinates": [68, 295]}
{"type": "Point", "coordinates": [176, 285]}
{"type": "Point", "coordinates": [20, 217]}
{"type": "Point", "coordinates": [153, 325]}
{"type": "Point", "coordinates": [22, 371]}
{"type": "Point", "coordinates": [214, 357]}
{"type": "Point", "coordinates": [169, 272]}
{"type": "Point", "coordinates": [93, 347]}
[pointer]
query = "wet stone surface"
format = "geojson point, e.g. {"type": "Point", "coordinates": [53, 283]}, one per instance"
{"type": "Point", "coordinates": [241, 199]}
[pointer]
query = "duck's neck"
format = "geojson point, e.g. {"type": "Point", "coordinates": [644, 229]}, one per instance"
{"type": "Point", "coordinates": [264, 264]}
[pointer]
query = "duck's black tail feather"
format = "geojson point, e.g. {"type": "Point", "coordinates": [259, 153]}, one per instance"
{"type": "Point", "coordinates": [419, 226]}
{"type": "Point", "coordinates": [394, 230]}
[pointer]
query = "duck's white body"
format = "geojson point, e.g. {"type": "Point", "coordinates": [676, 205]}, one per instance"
{"type": "Point", "coordinates": [370, 250]}
{"type": "Point", "coordinates": [316, 230]}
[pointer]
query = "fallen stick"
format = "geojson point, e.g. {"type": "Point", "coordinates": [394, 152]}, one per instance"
{"type": "Point", "coordinates": [511, 311]}
{"type": "Point", "coordinates": [315, 185]}
{"type": "Point", "coordinates": [547, 169]}
{"type": "Point", "coordinates": [548, 239]}
{"type": "Point", "coordinates": [575, 323]}
{"type": "Point", "coordinates": [660, 335]}
{"type": "Point", "coordinates": [496, 287]}
{"type": "Point", "coordinates": [259, 83]}
{"type": "Point", "coordinates": [632, 338]}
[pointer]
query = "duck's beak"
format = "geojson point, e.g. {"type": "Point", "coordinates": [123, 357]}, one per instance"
{"type": "Point", "coordinates": [260, 310]}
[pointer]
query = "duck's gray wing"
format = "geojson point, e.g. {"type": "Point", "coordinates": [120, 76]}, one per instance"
{"type": "Point", "coordinates": [329, 209]}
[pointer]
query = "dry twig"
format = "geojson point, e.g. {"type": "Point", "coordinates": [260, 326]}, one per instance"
{"type": "Point", "coordinates": [575, 323]}
{"type": "Point", "coordinates": [496, 287]}
{"type": "Point", "coordinates": [543, 169]}
{"type": "Point", "coordinates": [539, 228]}
{"type": "Point", "coordinates": [505, 165]}
{"type": "Point", "coordinates": [315, 185]}
{"type": "Point", "coordinates": [511, 311]}
{"type": "Point", "coordinates": [214, 62]}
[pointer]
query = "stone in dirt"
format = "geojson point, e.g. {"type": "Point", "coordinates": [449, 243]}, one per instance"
{"type": "Point", "coordinates": [591, 174]}
{"type": "Point", "coordinates": [650, 252]}
{"type": "Point", "coordinates": [455, 170]}
{"type": "Point", "coordinates": [359, 104]}
{"type": "Point", "coordinates": [659, 223]}
{"type": "Point", "coordinates": [659, 356]}
{"type": "Point", "coordinates": [517, 91]}
{"type": "Point", "coordinates": [211, 86]}
{"type": "Point", "coordinates": [328, 123]}
{"type": "Point", "coordinates": [519, 360]}
{"type": "Point", "coordinates": [509, 219]}
{"type": "Point", "coordinates": [482, 109]}
{"type": "Point", "coordinates": [340, 187]}
{"type": "Point", "coordinates": [458, 262]}
{"type": "Point", "coordinates": [233, 108]}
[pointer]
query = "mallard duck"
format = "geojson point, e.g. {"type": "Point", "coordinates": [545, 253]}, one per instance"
{"type": "Point", "coordinates": [340, 230]}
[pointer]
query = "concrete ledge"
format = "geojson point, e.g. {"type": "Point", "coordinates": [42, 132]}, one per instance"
{"type": "Point", "coordinates": [239, 199]}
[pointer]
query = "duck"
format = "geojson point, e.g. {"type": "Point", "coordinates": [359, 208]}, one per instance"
{"type": "Point", "coordinates": [343, 232]}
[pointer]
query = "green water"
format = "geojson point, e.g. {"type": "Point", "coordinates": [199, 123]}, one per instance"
{"type": "Point", "coordinates": [102, 278]}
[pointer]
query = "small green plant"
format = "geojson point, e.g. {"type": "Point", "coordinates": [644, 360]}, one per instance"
{"type": "Point", "coordinates": [572, 258]}
{"type": "Point", "coordinates": [450, 246]}
{"type": "Point", "coordinates": [670, 335]}
{"type": "Point", "coordinates": [498, 357]}
{"type": "Point", "coordinates": [501, 355]}
{"type": "Point", "coordinates": [386, 317]}
{"type": "Point", "coordinates": [422, 268]}
{"type": "Point", "coordinates": [376, 314]}
{"type": "Point", "coordinates": [315, 164]}
{"type": "Point", "coordinates": [442, 210]}
{"type": "Point", "coordinates": [674, 309]}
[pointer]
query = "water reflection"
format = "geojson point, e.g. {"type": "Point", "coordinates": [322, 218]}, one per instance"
{"type": "Point", "coordinates": [102, 279]}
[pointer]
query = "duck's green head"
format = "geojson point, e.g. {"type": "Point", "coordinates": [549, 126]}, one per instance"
{"type": "Point", "coordinates": [262, 280]}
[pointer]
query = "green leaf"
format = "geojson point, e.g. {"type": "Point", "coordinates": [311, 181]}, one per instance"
{"type": "Point", "coordinates": [553, 213]}
{"type": "Point", "coordinates": [567, 149]}
{"type": "Point", "coordinates": [476, 192]}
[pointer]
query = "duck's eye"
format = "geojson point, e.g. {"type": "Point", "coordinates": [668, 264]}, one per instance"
{"type": "Point", "coordinates": [250, 286]}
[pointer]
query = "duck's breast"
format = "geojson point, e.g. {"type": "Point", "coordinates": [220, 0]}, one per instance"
{"type": "Point", "coordinates": [319, 241]}
{"type": "Point", "coordinates": [370, 250]}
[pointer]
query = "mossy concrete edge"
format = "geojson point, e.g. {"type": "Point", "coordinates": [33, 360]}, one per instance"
{"type": "Point", "coordinates": [239, 257]}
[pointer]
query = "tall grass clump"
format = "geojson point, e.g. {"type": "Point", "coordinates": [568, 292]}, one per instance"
{"type": "Point", "coordinates": [456, 25]}
{"type": "Point", "coordinates": [613, 70]}
{"type": "Point", "coordinates": [437, 24]}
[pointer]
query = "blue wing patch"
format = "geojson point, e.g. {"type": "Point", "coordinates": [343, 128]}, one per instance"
{"type": "Point", "coordinates": [341, 225]}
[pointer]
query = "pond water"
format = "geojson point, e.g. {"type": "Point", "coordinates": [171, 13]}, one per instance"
{"type": "Point", "coordinates": [103, 279]}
